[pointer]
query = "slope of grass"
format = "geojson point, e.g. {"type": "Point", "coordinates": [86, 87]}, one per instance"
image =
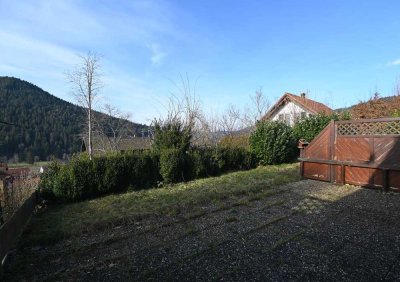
{"type": "Point", "coordinates": [185, 199]}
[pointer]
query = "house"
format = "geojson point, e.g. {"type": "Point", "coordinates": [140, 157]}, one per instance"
{"type": "Point", "coordinates": [290, 108]}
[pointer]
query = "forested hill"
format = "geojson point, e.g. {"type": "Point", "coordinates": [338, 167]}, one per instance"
{"type": "Point", "coordinates": [43, 125]}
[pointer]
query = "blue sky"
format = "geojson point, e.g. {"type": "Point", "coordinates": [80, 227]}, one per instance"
{"type": "Point", "coordinates": [338, 51]}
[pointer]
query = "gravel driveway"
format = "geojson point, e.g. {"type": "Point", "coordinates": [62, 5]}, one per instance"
{"type": "Point", "coordinates": [303, 231]}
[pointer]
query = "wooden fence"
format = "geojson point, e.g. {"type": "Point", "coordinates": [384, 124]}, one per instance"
{"type": "Point", "coordinates": [15, 187]}
{"type": "Point", "coordinates": [13, 227]}
{"type": "Point", "coordinates": [18, 199]}
{"type": "Point", "coordinates": [359, 152]}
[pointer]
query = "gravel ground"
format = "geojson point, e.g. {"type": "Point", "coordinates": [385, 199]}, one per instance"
{"type": "Point", "coordinates": [308, 231]}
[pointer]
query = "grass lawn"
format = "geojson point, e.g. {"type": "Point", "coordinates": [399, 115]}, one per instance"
{"type": "Point", "coordinates": [186, 199]}
{"type": "Point", "coordinates": [239, 226]}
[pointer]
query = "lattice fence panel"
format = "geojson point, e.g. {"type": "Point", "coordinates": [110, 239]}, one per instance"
{"type": "Point", "coordinates": [369, 128]}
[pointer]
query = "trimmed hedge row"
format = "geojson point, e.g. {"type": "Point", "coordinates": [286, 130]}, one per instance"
{"type": "Point", "coordinates": [120, 172]}
{"type": "Point", "coordinates": [84, 179]}
{"type": "Point", "coordinates": [273, 142]}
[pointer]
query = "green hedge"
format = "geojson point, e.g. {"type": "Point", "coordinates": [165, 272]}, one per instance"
{"type": "Point", "coordinates": [120, 172]}
{"type": "Point", "coordinates": [204, 162]}
{"type": "Point", "coordinates": [172, 164]}
{"type": "Point", "coordinates": [309, 127]}
{"type": "Point", "coordinates": [273, 142]}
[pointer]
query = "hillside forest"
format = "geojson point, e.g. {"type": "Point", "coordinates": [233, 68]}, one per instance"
{"type": "Point", "coordinates": [36, 126]}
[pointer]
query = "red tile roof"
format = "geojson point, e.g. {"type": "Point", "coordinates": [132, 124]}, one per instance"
{"type": "Point", "coordinates": [308, 104]}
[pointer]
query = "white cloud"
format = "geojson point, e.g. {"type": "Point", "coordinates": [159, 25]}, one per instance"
{"type": "Point", "coordinates": [24, 49]}
{"type": "Point", "coordinates": [394, 63]}
{"type": "Point", "coordinates": [40, 41]}
{"type": "Point", "coordinates": [157, 55]}
{"type": "Point", "coordinates": [58, 21]}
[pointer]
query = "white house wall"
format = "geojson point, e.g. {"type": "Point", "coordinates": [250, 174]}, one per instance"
{"type": "Point", "coordinates": [292, 109]}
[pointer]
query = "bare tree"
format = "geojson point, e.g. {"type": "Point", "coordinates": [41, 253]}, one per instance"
{"type": "Point", "coordinates": [112, 127]}
{"type": "Point", "coordinates": [86, 83]}
{"type": "Point", "coordinates": [260, 103]}
{"type": "Point", "coordinates": [259, 106]}
{"type": "Point", "coordinates": [396, 91]}
{"type": "Point", "coordinates": [207, 129]}
{"type": "Point", "coordinates": [182, 107]}
{"type": "Point", "coordinates": [231, 120]}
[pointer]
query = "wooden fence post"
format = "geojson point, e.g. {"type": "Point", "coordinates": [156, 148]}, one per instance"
{"type": "Point", "coordinates": [343, 175]}
{"type": "Point", "coordinates": [385, 186]}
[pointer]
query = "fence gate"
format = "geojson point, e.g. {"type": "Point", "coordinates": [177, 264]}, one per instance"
{"type": "Point", "coordinates": [359, 152]}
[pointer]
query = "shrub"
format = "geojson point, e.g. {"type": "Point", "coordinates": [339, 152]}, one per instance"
{"type": "Point", "coordinates": [47, 180]}
{"type": "Point", "coordinates": [144, 169]}
{"type": "Point", "coordinates": [205, 162]}
{"type": "Point", "coordinates": [235, 159]}
{"type": "Point", "coordinates": [171, 135]}
{"type": "Point", "coordinates": [120, 172]}
{"type": "Point", "coordinates": [76, 181]}
{"type": "Point", "coordinates": [273, 142]}
{"type": "Point", "coordinates": [113, 173]}
{"type": "Point", "coordinates": [237, 141]}
{"type": "Point", "coordinates": [172, 165]}
{"type": "Point", "coordinates": [200, 163]}
{"type": "Point", "coordinates": [308, 128]}
{"type": "Point", "coordinates": [63, 186]}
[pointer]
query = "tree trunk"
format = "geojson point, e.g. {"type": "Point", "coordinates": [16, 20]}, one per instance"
{"type": "Point", "coordinates": [90, 134]}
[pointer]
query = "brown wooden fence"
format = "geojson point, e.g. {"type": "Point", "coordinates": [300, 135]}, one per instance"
{"type": "Point", "coordinates": [17, 203]}
{"type": "Point", "coordinates": [359, 152]}
{"type": "Point", "coordinates": [14, 226]}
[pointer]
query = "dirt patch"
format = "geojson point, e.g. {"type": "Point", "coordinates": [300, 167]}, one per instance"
{"type": "Point", "coordinates": [309, 230]}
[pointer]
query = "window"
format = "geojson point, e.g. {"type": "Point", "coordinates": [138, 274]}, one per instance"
{"type": "Point", "coordinates": [296, 117]}
{"type": "Point", "coordinates": [281, 117]}
{"type": "Point", "coordinates": [303, 115]}
{"type": "Point", "coordinates": [287, 118]}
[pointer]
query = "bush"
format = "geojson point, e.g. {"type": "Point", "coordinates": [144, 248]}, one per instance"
{"type": "Point", "coordinates": [113, 173]}
{"type": "Point", "coordinates": [76, 181]}
{"type": "Point", "coordinates": [144, 169]}
{"type": "Point", "coordinates": [120, 172]}
{"type": "Point", "coordinates": [273, 142]}
{"type": "Point", "coordinates": [47, 180]}
{"type": "Point", "coordinates": [212, 161]}
{"type": "Point", "coordinates": [172, 163]}
{"type": "Point", "coordinates": [171, 135]}
{"type": "Point", "coordinates": [235, 159]}
{"type": "Point", "coordinates": [200, 163]}
{"type": "Point", "coordinates": [309, 127]}
{"type": "Point", "coordinates": [236, 141]}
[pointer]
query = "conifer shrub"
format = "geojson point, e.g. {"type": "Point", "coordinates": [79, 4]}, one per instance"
{"type": "Point", "coordinates": [206, 162]}
{"type": "Point", "coordinates": [83, 179]}
{"type": "Point", "coordinates": [171, 135]}
{"type": "Point", "coordinates": [172, 162]}
{"type": "Point", "coordinates": [112, 173]}
{"type": "Point", "coordinates": [47, 180]}
{"type": "Point", "coordinates": [199, 163]}
{"type": "Point", "coordinates": [308, 128]}
{"type": "Point", "coordinates": [273, 142]}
